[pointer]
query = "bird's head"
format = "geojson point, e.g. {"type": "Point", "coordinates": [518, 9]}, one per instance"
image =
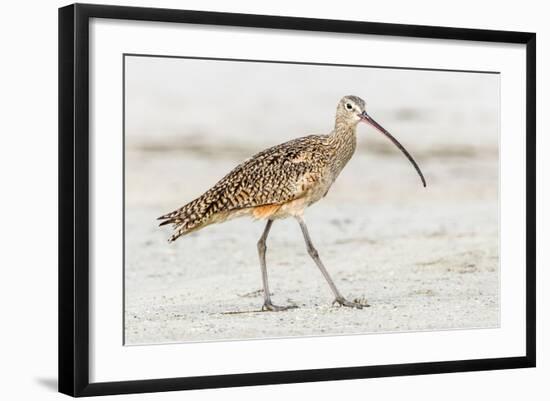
{"type": "Point", "coordinates": [351, 110]}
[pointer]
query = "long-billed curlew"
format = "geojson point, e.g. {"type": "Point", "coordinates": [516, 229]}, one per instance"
{"type": "Point", "coordinates": [281, 182]}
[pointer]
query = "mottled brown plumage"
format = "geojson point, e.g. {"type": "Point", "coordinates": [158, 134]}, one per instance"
{"type": "Point", "coordinates": [300, 169]}
{"type": "Point", "coordinates": [281, 182]}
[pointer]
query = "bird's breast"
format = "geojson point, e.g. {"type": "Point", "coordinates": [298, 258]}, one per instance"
{"type": "Point", "coordinates": [319, 189]}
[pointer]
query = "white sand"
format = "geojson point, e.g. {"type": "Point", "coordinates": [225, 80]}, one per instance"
{"type": "Point", "coordinates": [424, 259]}
{"type": "Point", "coordinates": [419, 262]}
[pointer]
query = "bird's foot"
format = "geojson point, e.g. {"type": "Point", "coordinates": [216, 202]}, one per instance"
{"type": "Point", "coordinates": [344, 302]}
{"type": "Point", "coordinates": [268, 306]}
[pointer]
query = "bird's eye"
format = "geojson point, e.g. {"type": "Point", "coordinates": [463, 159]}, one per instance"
{"type": "Point", "coordinates": [348, 106]}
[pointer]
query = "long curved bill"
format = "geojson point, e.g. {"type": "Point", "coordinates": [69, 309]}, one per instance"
{"type": "Point", "coordinates": [368, 119]}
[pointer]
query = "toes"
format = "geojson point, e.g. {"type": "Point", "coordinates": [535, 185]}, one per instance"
{"type": "Point", "coordinates": [352, 305]}
{"type": "Point", "coordinates": [349, 304]}
{"type": "Point", "coordinates": [275, 308]}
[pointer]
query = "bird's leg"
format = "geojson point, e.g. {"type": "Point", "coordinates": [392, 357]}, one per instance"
{"type": "Point", "coordinates": [338, 298]}
{"type": "Point", "coordinates": [268, 305]}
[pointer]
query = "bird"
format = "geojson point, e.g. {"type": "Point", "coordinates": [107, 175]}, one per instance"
{"type": "Point", "coordinates": [282, 182]}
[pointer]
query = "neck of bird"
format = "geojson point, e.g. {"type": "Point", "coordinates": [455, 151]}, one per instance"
{"type": "Point", "coordinates": [343, 133]}
{"type": "Point", "coordinates": [343, 142]}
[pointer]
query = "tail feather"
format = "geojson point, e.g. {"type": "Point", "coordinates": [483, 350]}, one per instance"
{"type": "Point", "coordinates": [171, 215]}
{"type": "Point", "coordinates": [164, 222]}
{"type": "Point", "coordinates": [182, 222]}
{"type": "Point", "coordinates": [191, 216]}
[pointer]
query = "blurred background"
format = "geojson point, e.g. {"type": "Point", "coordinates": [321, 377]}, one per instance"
{"type": "Point", "coordinates": [424, 258]}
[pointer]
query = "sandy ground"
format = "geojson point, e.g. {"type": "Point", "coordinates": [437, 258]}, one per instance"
{"type": "Point", "coordinates": [422, 258]}
{"type": "Point", "coordinates": [420, 263]}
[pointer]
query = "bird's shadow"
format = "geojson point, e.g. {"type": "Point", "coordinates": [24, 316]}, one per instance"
{"type": "Point", "coordinates": [47, 382]}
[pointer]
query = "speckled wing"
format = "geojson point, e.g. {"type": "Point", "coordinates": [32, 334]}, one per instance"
{"type": "Point", "coordinates": [274, 176]}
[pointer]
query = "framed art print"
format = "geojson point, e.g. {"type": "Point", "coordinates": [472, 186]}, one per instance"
{"type": "Point", "coordinates": [250, 199]}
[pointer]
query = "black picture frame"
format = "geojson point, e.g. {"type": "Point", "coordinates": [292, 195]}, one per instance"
{"type": "Point", "coordinates": [74, 198]}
